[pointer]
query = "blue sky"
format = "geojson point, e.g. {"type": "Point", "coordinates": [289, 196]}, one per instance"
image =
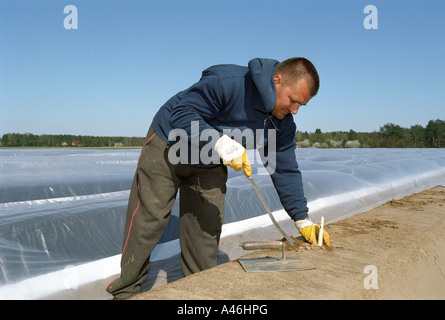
{"type": "Point", "coordinates": [127, 57]}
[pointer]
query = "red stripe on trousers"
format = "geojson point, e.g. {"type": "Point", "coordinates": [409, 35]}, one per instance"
{"type": "Point", "coordinates": [139, 198]}
{"type": "Point", "coordinates": [139, 202]}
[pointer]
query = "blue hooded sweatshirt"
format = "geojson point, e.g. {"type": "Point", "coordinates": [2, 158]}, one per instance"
{"type": "Point", "coordinates": [229, 97]}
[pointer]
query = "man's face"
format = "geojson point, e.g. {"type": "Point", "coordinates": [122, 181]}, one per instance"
{"type": "Point", "coordinates": [289, 98]}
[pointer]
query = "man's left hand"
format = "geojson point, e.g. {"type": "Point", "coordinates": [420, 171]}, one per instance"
{"type": "Point", "coordinates": [310, 232]}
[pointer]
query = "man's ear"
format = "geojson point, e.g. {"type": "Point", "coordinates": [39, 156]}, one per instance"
{"type": "Point", "coordinates": [277, 79]}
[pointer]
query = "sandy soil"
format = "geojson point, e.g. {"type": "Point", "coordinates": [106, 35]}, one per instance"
{"type": "Point", "coordinates": [395, 251]}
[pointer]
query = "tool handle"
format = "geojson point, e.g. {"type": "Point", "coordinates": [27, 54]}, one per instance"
{"type": "Point", "coordinates": [255, 245]}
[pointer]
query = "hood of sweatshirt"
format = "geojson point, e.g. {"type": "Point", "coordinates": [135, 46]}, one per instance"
{"type": "Point", "coordinates": [262, 71]}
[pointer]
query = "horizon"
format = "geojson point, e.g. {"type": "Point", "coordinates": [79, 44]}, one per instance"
{"type": "Point", "coordinates": [120, 136]}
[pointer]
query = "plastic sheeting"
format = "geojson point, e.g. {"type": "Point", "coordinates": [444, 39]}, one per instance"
{"type": "Point", "coordinates": [62, 211]}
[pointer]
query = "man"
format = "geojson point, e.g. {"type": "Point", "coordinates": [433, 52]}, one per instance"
{"type": "Point", "coordinates": [262, 98]}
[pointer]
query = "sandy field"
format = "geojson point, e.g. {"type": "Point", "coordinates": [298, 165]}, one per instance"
{"type": "Point", "coordinates": [395, 251]}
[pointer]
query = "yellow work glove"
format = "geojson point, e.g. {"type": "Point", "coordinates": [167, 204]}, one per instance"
{"type": "Point", "coordinates": [310, 232]}
{"type": "Point", "coordinates": [233, 155]}
{"type": "Point", "coordinates": [241, 163]}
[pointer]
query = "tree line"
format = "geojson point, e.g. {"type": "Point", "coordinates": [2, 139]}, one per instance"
{"type": "Point", "coordinates": [389, 136]}
{"type": "Point", "coordinates": [66, 140]}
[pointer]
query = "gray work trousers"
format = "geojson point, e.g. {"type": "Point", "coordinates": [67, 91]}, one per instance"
{"type": "Point", "coordinates": [153, 193]}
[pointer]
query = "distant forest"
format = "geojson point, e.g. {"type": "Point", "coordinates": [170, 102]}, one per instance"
{"type": "Point", "coordinates": [389, 136]}
{"type": "Point", "coordinates": [67, 140]}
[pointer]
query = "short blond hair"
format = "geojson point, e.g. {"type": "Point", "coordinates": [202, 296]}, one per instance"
{"type": "Point", "coordinates": [294, 69]}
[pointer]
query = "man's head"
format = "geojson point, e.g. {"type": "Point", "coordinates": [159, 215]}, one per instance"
{"type": "Point", "coordinates": [296, 81]}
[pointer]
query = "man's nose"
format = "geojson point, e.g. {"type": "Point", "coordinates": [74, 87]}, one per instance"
{"type": "Point", "coordinates": [294, 109]}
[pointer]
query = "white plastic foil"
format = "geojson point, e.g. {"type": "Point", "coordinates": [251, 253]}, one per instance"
{"type": "Point", "coordinates": [62, 211]}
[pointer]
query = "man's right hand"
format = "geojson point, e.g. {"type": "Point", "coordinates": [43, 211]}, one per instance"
{"type": "Point", "coordinates": [233, 155]}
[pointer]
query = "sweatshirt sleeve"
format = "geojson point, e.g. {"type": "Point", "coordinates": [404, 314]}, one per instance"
{"type": "Point", "coordinates": [287, 177]}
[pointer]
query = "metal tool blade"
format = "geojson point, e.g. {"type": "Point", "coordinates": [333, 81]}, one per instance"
{"type": "Point", "coordinates": [271, 264]}
{"type": "Point", "coordinates": [269, 212]}
{"type": "Point", "coordinates": [275, 264]}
